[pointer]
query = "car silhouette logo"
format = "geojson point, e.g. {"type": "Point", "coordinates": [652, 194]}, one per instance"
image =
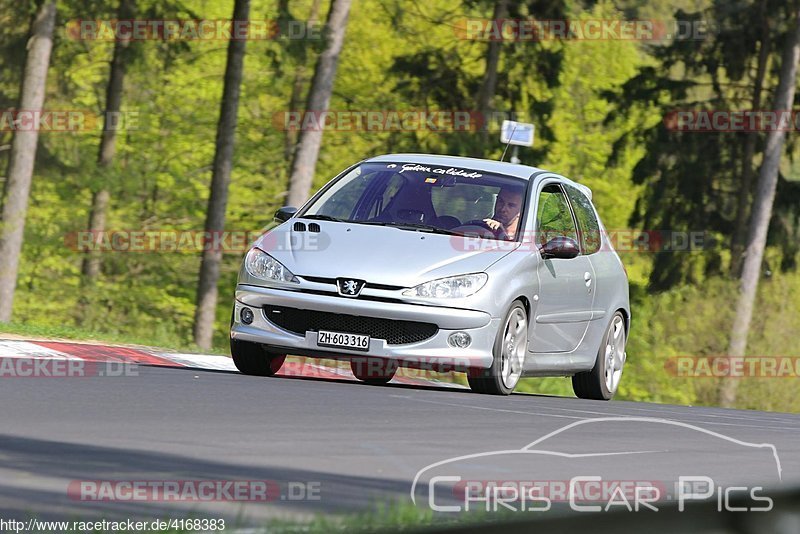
{"type": "Point", "coordinates": [349, 287]}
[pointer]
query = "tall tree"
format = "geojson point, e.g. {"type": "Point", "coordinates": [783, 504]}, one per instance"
{"type": "Point", "coordinates": [544, 62]}
{"type": "Point", "coordinates": [90, 266]}
{"type": "Point", "coordinates": [23, 153]}
{"type": "Point", "coordinates": [205, 311]}
{"type": "Point", "coordinates": [319, 97]}
{"type": "Point", "coordinates": [745, 192]}
{"type": "Point", "coordinates": [300, 77]}
{"type": "Point", "coordinates": [762, 208]}
{"type": "Point", "coordinates": [489, 83]}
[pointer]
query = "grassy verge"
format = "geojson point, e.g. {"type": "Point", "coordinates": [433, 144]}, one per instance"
{"type": "Point", "coordinates": [400, 516]}
{"type": "Point", "coordinates": [385, 517]}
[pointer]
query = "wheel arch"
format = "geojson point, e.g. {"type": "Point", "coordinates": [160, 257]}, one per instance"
{"type": "Point", "coordinates": [626, 317]}
{"type": "Point", "coordinates": [526, 303]}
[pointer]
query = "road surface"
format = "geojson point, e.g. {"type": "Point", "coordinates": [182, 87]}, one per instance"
{"type": "Point", "coordinates": [331, 446]}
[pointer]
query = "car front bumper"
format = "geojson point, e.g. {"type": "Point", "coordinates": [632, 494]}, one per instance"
{"type": "Point", "coordinates": [481, 327]}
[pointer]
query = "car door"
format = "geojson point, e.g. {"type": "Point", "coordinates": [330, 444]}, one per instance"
{"type": "Point", "coordinates": [608, 272]}
{"type": "Point", "coordinates": [563, 306]}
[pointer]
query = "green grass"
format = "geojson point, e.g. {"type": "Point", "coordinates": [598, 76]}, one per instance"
{"type": "Point", "coordinates": [394, 516]}
{"type": "Point", "coordinates": [401, 516]}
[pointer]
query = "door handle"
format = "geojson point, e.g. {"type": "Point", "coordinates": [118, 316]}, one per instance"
{"type": "Point", "coordinates": [587, 277]}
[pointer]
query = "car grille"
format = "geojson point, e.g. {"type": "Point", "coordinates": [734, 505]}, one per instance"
{"type": "Point", "coordinates": [332, 281]}
{"type": "Point", "coordinates": [393, 331]}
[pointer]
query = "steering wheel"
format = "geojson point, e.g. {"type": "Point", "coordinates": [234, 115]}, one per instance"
{"type": "Point", "coordinates": [483, 227]}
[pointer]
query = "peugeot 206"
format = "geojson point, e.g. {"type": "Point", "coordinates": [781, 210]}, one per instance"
{"type": "Point", "coordinates": [497, 269]}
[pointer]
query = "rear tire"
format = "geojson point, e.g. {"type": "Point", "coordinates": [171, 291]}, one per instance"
{"type": "Point", "coordinates": [374, 371]}
{"type": "Point", "coordinates": [252, 359]}
{"type": "Point", "coordinates": [603, 380]}
{"type": "Point", "coordinates": [510, 347]}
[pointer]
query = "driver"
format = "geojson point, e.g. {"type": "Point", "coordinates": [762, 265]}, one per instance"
{"type": "Point", "coordinates": [506, 212]}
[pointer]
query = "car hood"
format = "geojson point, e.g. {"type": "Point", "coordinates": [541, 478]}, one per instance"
{"type": "Point", "coordinates": [378, 254]}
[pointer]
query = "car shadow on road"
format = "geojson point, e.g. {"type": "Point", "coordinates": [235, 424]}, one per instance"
{"type": "Point", "coordinates": [433, 386]}
{"type": "Point", "coordinates": [39, 473]}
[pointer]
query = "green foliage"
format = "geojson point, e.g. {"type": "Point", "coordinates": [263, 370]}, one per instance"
{"type": "Point", "coordinates": [691, 181]}
{"type": "Point", "coordinates": [583, 142]}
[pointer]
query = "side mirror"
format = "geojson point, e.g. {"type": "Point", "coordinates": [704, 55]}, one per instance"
{"type": "Point", "coordinates": [284, 214]}
{"type": "Point", "coordinates": [562, 248]}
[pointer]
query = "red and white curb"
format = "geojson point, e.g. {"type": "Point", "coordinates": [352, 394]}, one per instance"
{"type": "Point", "coordinates": [91, 352]}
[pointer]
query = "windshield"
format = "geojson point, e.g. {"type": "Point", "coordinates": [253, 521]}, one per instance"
{"type": "Point", "coordinates": [448, 200]}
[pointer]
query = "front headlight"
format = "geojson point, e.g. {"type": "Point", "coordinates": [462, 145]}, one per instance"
{"type": "Point", "coordinates": [261, 265]}
{"type": "Point", "coordinates": [453, 287]}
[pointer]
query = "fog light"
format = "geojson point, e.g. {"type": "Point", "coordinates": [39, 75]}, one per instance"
{"type": "Point", "coordinates": [460, 340]}
{"type": "Point", "coordinates": [247, 315]}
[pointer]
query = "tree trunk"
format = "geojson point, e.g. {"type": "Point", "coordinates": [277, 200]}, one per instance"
{"type": "Point", "coordinates": [205, 311]}
{"type": "Point", "coordinates": [90, 266]}
{"type": "Point", "coordinates": [762, 210]}
{"type": "Point", "coordinates": [489, 85]}
{"type": "Point", "coordinates": [23, 154]}
{"type": "Point", "coordinates": [319, 96]}
{"type": "Point", "coordinates": [297, 88]}
{"type": "Point", "coordinates": [745, 193]}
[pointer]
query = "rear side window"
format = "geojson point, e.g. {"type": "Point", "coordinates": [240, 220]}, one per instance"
{"type": "Point", "coordinates": [587, 220]}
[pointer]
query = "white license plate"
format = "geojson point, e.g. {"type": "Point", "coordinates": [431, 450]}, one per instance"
{"type": "Point", "coordinates": [342, 340]}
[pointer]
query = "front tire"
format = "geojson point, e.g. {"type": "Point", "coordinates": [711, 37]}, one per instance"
{"type": "Point", "coordinates": [603, 380]}
{"type": "Point", "coordinates": [510, 347]}
{"type": "Point", "coordinates": [252, 359]}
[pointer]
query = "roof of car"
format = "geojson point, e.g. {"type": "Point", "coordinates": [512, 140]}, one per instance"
{"type": "Point", "coordinates": [486, 165]}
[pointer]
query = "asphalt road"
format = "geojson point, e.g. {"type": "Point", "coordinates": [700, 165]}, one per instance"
{"type": "Point", "coordinates": [347, 444]}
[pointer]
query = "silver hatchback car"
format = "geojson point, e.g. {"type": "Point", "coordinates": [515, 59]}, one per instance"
{"type": "Point", "coordinates": [445, 263]}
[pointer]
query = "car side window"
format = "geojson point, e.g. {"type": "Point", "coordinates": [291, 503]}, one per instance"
{"type": "Point", "coordinates": [553, 216]}
{"type": "Point", "coordinates": [587, 220]}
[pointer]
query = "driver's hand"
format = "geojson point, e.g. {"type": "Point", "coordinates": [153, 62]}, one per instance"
{"type": "Point", "coordinates": [494, 225]}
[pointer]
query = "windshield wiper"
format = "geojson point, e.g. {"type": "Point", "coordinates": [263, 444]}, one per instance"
{"type": "Point", "coordinates": [320, 217]}
{"type": "Point", "coordinates": [402, 226]}
{"type": "Point", "coordinates": [424, 227]}
{"type": "Point", "coordinates": [376, 223]}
